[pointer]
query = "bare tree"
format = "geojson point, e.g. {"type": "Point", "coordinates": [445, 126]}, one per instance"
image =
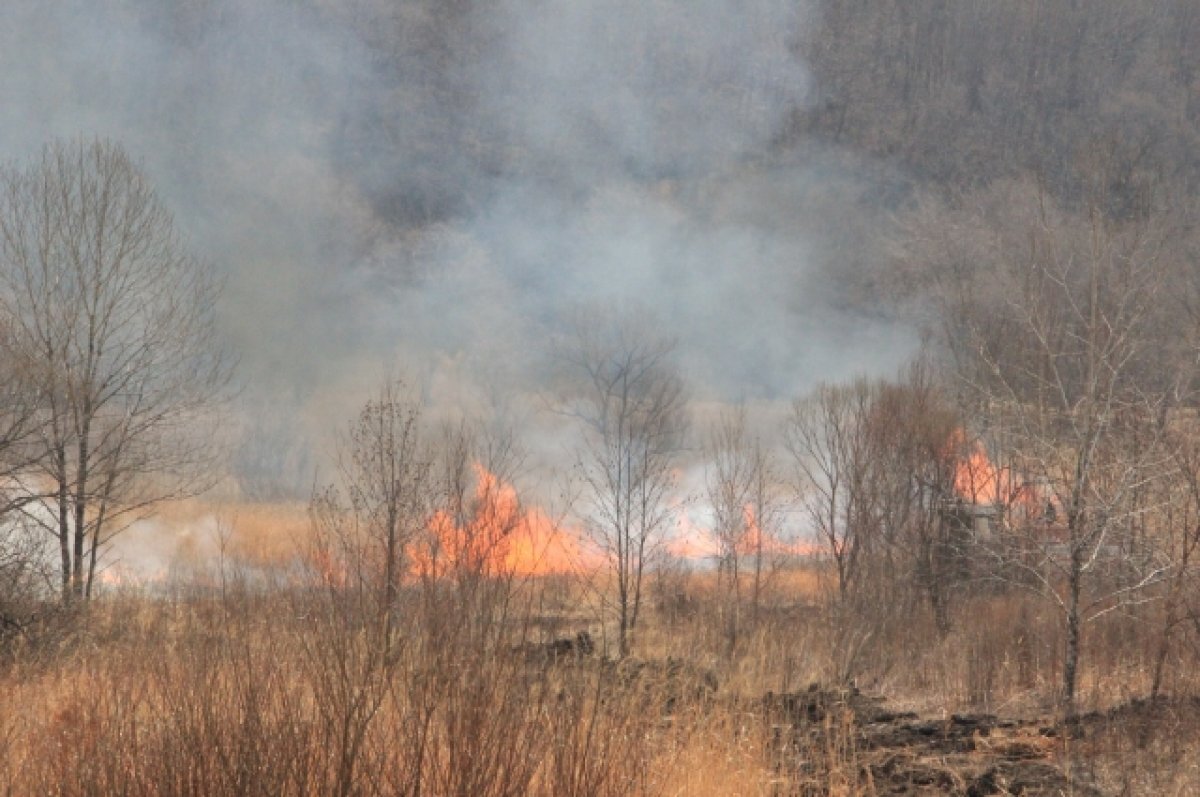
{"type": "Point", "coordinates": [116, 322]}
{"type": "Point", "coordinates": [881, 466]}
{"type": "Point", "coordinates": [482, 538]}
{"type": "Point", "coordinates": [24, 578]}
{"type": "Point", "coordinates": [366, 526]}
{"type": "Point", "coordinates": [628, 395]}
{"type": "Point", "coordinates": [479, 511]}
{"type": "Point", "coordinates": [365, 531]}
{"type": "Point", "coordinates": [925, 480]}
{"type": "Point", "coordinates": [1179, 504]}
{"type": "Point", "coordinates": [1179, 510]}
{"type": "Point", "coordinates": [829, 437]}
{"type": "Point", "coordinates": [742, 487]}
{"type": "Point", "coordinates": [25, 569]}
{"type": "Point", "coordinates": [1054, 320]}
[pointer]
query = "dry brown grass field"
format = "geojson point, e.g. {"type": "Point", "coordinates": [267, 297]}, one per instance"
{"type": "Point", "coordinates": [247, 678]}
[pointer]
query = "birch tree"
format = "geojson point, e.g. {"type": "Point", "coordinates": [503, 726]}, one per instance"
{"type": "Point", "coordinates": [742, 486]}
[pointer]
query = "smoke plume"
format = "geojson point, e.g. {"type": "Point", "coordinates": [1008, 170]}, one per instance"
{"type": "Point", "coordinates": [436, 185]}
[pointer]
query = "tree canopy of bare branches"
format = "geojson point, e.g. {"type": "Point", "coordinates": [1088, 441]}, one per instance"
{"type": "Point", "coordinates": [1072, 354]}
{"type": "Point", "coordinates": [366, 525]}
{"type": "Point", "coordinates": [626, 391]}
{"type": "Point", "coordinates": [113, 325]}
{"type": "Point", "coordinates": [829, 438]}
{"type": "Point", "coordinates": [743, 489]}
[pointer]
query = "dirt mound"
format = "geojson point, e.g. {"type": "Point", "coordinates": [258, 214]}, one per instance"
{"type": "Point", "coordinates": [822, 736]}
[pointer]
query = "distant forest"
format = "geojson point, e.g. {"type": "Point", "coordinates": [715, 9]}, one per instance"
{"type": "Point", "coordinates": [955, 94]}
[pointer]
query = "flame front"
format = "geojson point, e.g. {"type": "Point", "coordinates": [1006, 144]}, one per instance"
{"type": "Point", "coordinates": [693, 541]}
{"type": "Point", "coordinates": [496, 534]}
{"type": "Point", "coordinates": [977, 479]}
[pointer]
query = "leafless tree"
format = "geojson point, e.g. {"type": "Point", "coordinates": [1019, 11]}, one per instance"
{"type": "Point", "coordinates": [743, 493]}
{"type": "Point", "coordinates": [20, 423]}
{"type": "Point", "coordinates": [885, 475]}
{"type": "Point", "coordinates": [1054, 320]}
{"type": "Point", "coordinates": [478, 508]}
{"type": "Point", "coordinates": [1177, 505]}
{"type": "Point", "coordinates": [626, 391]}
{"type": "Point", "coordinates": [1178, 509]}
{"type": "Point", "coordinates": [481, 539]}
{"type": "Point", "coordinates": [829, 438]}
{"type": "Point", "coordinates": [922, 449]}
{"type": "Point", "coordinates": [26, 577]}
{"type": "Point", "coordinates": [367, 525]}
{"type": "Point", "coordinates": [365, 533]}
{"type": "Point", "coordinates": [116, 322]}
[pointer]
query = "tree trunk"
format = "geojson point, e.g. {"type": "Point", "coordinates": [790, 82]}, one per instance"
{"type": "Point", "coordinates": [1071, 660]}
{"type": "Point", "coordinates": [64, 522]}
{"type": "Point", "coordinates": [97, 530]}
{"type": "Point", "coordinates": [81, 500]}
{"type": "Point", "coordinates": [756, 595]}
{"type": "Point", "coordinates": [623, 630]}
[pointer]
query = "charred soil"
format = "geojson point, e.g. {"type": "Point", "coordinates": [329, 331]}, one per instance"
{"type": "Point", "coordinates": [824, 737]}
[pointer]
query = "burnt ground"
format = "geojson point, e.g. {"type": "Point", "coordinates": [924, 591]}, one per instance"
{"type": "Point", "coordinates": [840, 741]}
{"type": "Point", "coordinates": [825, 741]}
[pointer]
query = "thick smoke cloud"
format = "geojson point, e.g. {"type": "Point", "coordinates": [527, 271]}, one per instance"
{"type": "Point", "coordinates": [437, 185]}
{"type": "Point", "coordinates": [601, 88]}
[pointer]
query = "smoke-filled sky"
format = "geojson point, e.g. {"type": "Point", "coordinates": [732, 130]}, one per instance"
{"type": "Point", "coordinates": [434, 186]}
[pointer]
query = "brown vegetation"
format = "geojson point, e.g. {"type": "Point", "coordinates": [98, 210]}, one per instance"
{"type": "Point", "coordinates": [242, 689]}
{"type": "Point", "coordinates": [1003, 594]}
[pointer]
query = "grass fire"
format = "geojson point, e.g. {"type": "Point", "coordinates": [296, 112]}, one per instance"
{"type": "Point", "coordinates": [613, 398]}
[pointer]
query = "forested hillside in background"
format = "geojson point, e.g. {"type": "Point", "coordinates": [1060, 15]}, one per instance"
{"type": "Point", "coordinates": [1087, 95]}
{"type": "Point", "coordinates": [1090, 96]}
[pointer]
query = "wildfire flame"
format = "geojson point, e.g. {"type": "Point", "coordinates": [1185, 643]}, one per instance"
{"type": "Point", "coordinates": [693, 541]}
{"type": "Point", "coordinates": [977, 479]}
{"type": "Point", "coordinates": [496, 534]}
{"type": "Point", "coordinates": [755, 539]}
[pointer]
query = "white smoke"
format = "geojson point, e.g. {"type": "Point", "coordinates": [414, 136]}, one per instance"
{"type": "Point", "coordinates": [436, 185]}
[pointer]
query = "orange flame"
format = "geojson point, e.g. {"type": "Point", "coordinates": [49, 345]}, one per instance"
{"type": "Point", "coordinates": [755, 538]}
{"type": "Point", "coordinates": [693, 541]}
{"type": "Point", "coordinates": [977, 480]}
{"type": "Point", "coordinates": [770, 543]}
{"type": "Point", "coordinates": [496, 534]}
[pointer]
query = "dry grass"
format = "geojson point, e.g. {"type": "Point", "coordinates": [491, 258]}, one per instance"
{"type": "Point", "coordinates": [253, 688]}
{"type": "Point", "coordinates": [294, 693]}
{"type": "Point", "coordinates": [255, 533]}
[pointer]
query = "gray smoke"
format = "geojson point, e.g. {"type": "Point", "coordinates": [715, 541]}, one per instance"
{"type": "Point", "coordinates": [435, 185]}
